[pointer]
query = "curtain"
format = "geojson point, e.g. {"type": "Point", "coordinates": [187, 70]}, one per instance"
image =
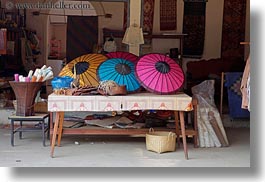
{"type": "Point", "coordinates": [234, 17]}
{"type": "Point", "coordinates": [194, 26]}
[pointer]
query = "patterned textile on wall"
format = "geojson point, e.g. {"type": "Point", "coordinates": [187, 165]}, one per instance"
{"type": "Point", "coordinates": [194, 26]}
{"type": "Point", "coordinates": [234, 17]}
{"type": "Point", "coordinates": [233, 83]}
{"type": "Point", "coordinates": [168, 14]}
{"type": "Point", "coordinates": [81, 40]}
{"type": "Point", "coordinates": [148, 15]}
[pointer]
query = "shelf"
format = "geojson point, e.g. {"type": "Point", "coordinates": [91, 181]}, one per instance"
{"type": "Point", "coordinates": [90, 130]}
{"type": "Point", "coordinates": [94, 130]}
{"type": "Point", "coordinates": [161, 36]}
{"type": "Point", "coordinates": [120, 34]}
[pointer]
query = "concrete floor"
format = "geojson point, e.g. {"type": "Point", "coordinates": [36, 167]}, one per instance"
{"type": "Point", "coordinates": [117, 151]}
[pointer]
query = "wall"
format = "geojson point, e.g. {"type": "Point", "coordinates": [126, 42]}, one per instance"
{"type": "Point", "coordinates": [59, 32]}
{"type": "Point", "coordinates": [115, 22]}
{"type": "Point", "coordinates": [163, 45]}
{"type": "Point", "coordinates": [213, 34]}
{"type": "Point", "coordinates": [5, 113]}
{"type": "Point", "coordinates": [37, 23]}
{"type": "Point", "coordinates": [213, 29]}
{"type": "Point", "coordinates": [135, 17]}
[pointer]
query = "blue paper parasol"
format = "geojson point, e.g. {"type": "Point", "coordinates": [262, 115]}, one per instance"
{"type": "Point", "coordinates": [119, 70]}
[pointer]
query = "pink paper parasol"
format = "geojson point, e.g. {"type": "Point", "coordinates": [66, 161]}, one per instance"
{"type": "Point", "coordinates": [159, 74]}
{"type": "Point", "coordinates": [123, 55]}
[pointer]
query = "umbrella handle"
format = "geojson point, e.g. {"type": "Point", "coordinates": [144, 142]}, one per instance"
{"type": "Point", "coordinates": [74, 72]}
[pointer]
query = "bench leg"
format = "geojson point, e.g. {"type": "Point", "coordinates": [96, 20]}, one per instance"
{"type": "Point", "coordinates": [51, 127]}
{"type": "Point", "coordinates": [20, 133]}
{"type": "Point", "coordinates": [176, 113]}
{"type": "Point", "coordinates": [43, 131]}
{"type": "Point", "coordinates": [12, 132]}
{"type": "Point", "coordinates": [48, 129]}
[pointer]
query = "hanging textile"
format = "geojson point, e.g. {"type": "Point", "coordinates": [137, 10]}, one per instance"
{"type": "Point", "coordinates": [10, 48]}
{"type": "Point", "coordinates": [168, 14]}
{"type": "Point", "coordinates": [194, 26]}
{"type": "Point", "coordinates": [148, 15]}
{"type": "Point", "coordinates": [233, 84]}
{"type": "Point", "coordinates": [233, 32]}
{"type": "Point", "coordinates": [3, 42]}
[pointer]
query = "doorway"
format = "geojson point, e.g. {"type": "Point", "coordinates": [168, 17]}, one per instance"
{"type": "Point", "coordinates": [82, 35]}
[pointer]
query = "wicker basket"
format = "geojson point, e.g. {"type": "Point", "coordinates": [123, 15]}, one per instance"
{"type": "Point", "coordinates": [160, 141]}
{"type": "Point", "coordinates": [26, 93]}
{"type": "Point", "coordinates": [41, 107]}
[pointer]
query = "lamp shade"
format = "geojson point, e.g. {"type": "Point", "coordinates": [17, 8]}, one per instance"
{"type": "Point", "coordinates": [133, 35]}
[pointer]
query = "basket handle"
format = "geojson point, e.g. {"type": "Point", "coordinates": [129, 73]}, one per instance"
{"type": "Point", "coordinates": [151, 130]}
{"type": "Point", "coordinates": [170, 135]}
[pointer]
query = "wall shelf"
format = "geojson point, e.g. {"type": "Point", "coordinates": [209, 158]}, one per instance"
{"type": "Point", "coordinates": [120, 33]}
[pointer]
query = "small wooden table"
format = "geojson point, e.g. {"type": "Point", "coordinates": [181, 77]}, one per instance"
{"type": "Point", "coordinates": [179, 103]}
